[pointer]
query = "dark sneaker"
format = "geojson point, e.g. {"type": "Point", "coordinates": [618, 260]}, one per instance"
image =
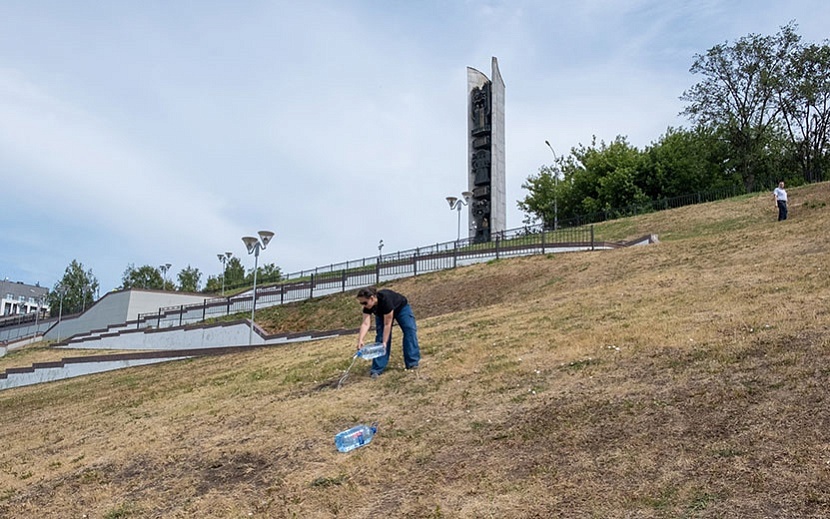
{"type": "Point", "coordinates": [411, 368]}
{"type": "Point", "coordinates": [375, 375]}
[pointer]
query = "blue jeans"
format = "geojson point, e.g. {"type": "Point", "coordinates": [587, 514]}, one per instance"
{"type": "Point", "coordinates": [782, 210]}
{"type": "Point", "coordinates": [411, 351]}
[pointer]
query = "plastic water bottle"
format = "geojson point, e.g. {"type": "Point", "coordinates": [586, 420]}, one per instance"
{"type": "Point", "coordinates": [371, 351]}
{"type": "Point", "coordinates": [357, 436]}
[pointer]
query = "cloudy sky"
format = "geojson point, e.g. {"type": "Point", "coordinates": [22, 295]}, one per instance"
{"type": "Point", "coordinates": [152, 132]}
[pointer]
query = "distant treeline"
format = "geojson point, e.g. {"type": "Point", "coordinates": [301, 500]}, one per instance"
{"type": "Point", "coordinates": [760, 114]}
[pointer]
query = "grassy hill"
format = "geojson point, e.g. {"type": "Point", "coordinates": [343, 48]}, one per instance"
{"type": "Point", "coordinates": [683, 379]}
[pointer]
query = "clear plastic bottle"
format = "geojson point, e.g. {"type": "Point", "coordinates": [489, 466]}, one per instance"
{"type": "Point", "coordinates": [371, 351]}
{"type": "Point", "coordinates": [357, 436]}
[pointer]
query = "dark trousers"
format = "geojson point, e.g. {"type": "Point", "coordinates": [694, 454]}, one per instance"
{"type": "Point", "coordinates": [782, 210]}
{"type": "Point", "coordinates": [411, 350]}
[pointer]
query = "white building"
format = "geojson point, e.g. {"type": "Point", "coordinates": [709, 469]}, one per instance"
{"type": "Point", "coordinates": [17, 298]}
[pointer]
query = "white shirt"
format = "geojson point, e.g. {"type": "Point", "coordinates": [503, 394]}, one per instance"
{"type": "Point", "coordinates": [780, 194]}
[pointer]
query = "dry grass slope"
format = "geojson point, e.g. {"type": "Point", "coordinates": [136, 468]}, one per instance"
{"type": "Point", "coordinates": [683, 379]}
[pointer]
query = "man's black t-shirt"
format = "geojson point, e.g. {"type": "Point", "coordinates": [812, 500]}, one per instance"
{"type": "Point", "coordinates": [387, 302]}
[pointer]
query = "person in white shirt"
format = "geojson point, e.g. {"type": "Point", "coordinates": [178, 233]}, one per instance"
{"type": "Point", "coordinates": [781, 201]}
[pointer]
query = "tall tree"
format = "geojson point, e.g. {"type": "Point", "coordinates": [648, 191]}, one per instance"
{"type": "Point", "coordinates": [804, 98]}
{"type": "Point", "coordinates": [75, 292]}
{"type": "Point", "coordinates": [591, 179]}
{"type": "Point", "coordinates": [603, 177]}
{"type": "Point", "coordinates": [538, 205]}
{"type": "Point", "coordinates": [189, 279]}
{"type": "Point", "coordinates": [738, 93]}
{"type": "Point", "coordinates": [234, 273]}
{"type": "Point", "coordinates": [686, 161]}
{"type": "Point", "coordinates": [213, 284]}
{"type": "Point", "coordinates": [143, 277]}
{"type": "Point", "coordinates": [268, 273]}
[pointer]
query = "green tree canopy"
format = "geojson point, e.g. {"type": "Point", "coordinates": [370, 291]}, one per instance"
{"type": "Point", "coordinates": [593, 178]}
{"type": "Point", "coordinates": [738, 95]}
{"type": "Point", "coordinates": [269, 273]}
{"type": "Point", "coordinates": [75, 292]}
{"type": "Point", "coordinates": [761, 113]}
{"type": "Point", "coordinates": [686, 161]}
{"type": "Point", "coordinates": [538, 204]}
{"type": "Point", "coordinates": [804, 98]}
{"type": "Point", "coordinates": [189, 279]}
{"type": "Point", "coordinates": [234, 273]}
{"type": "Point", "coordinates": [143, 277]}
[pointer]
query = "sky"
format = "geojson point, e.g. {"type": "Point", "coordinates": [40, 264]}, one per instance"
{"type": "Point", "coordinates": [154, 132]}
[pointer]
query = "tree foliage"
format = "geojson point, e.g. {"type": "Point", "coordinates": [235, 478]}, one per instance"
{"type": "Point", "coordinates": [75, 292]}
{"type": "Point", "coordinates": [234, 273]}
{"type": "Point", "coordinates": [769, 96]}
{"type": "Point", "coordinates": [538, 204]}
{"type": "Point", "coordinates": [189, 279]}
{"type": "Point", "coordinates": [146, 277]}
{"type": "Point", "coordinates": [804, 98]}
{"type": "Point", "coordinates": [234, 276]}
{"type": "Point", "coordinates": [269, 273]}
{"type": "Point", "coordinates": [238, 277]}
{"type": "Point", "coordinates": [591, 179]}
{"type": "Point", "coordinates": [738, 93]}
{"type": "Point", "coordinates": [686, 161]}
{"type": "Point", "coordinates": [760, 113]}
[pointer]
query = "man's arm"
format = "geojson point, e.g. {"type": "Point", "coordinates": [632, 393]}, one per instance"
{"type": "Point", "coordinates": [364, 329]}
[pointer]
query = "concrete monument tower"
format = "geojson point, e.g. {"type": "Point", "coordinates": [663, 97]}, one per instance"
{"type": "Point", "coordinates": [485, 143]}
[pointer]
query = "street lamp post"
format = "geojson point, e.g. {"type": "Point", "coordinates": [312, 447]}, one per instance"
{"type": "Point", "coordinates": [455, 205]}
{"type": "Point", "coordinates": [83, 296]}
{"type": "Point", "coordinates": [37, 315]}
{"type": "Point", "coordinates": [164, 268]}
{"type": "Point", "coordinates": [60, 311]}
{"type": "Point", "coordinates": [224, 258]}
{"type": "Point", "coordinates": [254, 245]}
{"type": "Point", "coordinates": [555, 188]}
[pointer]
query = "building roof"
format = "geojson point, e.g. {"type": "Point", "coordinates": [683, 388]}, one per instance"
{"type": "Point", "coordinates": [18, 288]}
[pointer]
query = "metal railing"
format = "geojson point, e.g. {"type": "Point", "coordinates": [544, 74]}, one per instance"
{"type": "Point", "coordinates": [565, 223]}
{"type": "Point", "coordinates": [660, 204]}
{"type": "Point", "coordinates": [572, 234]}
{"type": "Point", "coordinates": [353, 274]}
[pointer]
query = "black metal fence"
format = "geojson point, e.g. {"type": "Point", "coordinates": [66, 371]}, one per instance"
{"type": "Point", "coordinates": [353, 274]}
{"type": "Point", "coordinates": [652, 206]}
{"type": "Point", "coordinates": [572, 234]}
{"type": "Point", "coordinates": [562, 224]}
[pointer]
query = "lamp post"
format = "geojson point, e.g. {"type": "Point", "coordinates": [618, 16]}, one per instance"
{"type": "Point", "coordinates": [60, 310]}
{"type": "Point", "coordinates": [380, 250]}
{"type": "Point", "coordinates": [555, 188]}
{"type": "Point", "coordinates": [164, 268]}
{"type": "Point", "coordinates": [224, 258]}
{"type": "Point", "coordinates": [254, 245]}
{"type": "Point", "coordinates": [455, 205]}
{"type": "Point", "coordinates": [37, 315]}
{"type": "Point", "coordinates": [83, 296]}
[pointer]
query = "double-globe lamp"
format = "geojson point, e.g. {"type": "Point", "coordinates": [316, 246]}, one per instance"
{"type": "Point", "coordinates": [255, 245]}
{"type": "Point", "coordinates": [224, 258]}
{"type": "Point", "coordinates": [555, 187]}
{"type": "Point", "coordinates": [455, 205]}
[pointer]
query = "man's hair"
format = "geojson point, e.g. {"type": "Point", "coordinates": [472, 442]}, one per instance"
{"type": "Point", "coordinates": [367, 292]}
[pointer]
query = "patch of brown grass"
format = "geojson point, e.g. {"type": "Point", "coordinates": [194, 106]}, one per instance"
{"type": "Point", "coordinates": [683, 379]}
